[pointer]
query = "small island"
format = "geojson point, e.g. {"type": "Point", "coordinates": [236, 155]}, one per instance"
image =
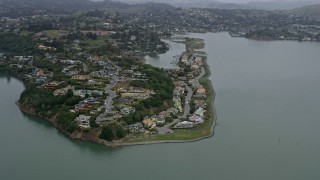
{"type": "Point", "coordinates": [100, 93]}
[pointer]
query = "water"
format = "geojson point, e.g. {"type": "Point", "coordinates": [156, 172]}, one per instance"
{"type": "Point", "coordinates": [165, 60]}
{"type": "Point", "coordinates": [268, 120]}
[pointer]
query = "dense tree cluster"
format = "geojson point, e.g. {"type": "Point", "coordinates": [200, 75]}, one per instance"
{"type": "Point", "coordinates": [161, 84]}
{"type": "Point", "coordinates": [112, 132]}
{"type": "Point", "coordinates": [17, 44]}
{"type": "Point", "coordinates": [66, 119]}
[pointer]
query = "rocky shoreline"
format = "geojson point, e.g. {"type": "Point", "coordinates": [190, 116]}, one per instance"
{"type": "Point", "coordinates": [93, 135]}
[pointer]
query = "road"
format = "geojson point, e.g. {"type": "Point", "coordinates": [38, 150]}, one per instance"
{"type": "Point", "coordinates": [111, 94]}
{"type": "Point", "coordinates": [166, 129]}
{"type": "Point", "coordinates": [189, 95]}
{"type": "Point", "coordinates": [202, 73]}
{"type": "Point", "coordinates": [186, 111]}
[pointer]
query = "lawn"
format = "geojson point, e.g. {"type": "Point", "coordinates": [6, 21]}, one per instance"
{"type": "Point", "coordinates": [56, 33]}
{"type": "Point", "coordinates": [101, 40]}
{"type": "Point", "coordinates": [194, 43]}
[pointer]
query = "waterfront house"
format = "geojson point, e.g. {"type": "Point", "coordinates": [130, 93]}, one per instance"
{"type": "Point", "coordinates": [184, 124]}
{"type": "Point", "coordinates": [199, 103]}
{"type": "Point", "coordinates": [200, 112]}
{"type": "Point", "coordinates": [83, 121]}
{"type": "Point", "coordinates": [184, 58]}
{"type": "Point", "coordinates": [137, 127]}
{"type": "Point", "coordinates": [148, 123]}
{"type": "Point", "coordinates": [196, 119]}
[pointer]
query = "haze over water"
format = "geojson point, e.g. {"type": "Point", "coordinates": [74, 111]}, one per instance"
{"type": "Point", "coordinates": [268, 107]}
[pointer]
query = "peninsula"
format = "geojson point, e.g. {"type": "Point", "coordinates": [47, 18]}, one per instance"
{"type": "Point", "coordinates": [114, 100]}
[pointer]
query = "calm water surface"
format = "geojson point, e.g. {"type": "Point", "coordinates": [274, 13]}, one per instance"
{"type": "Point", "coordinates": [165, 60]}
{"type": "Point", "coordinates": [268, 108]}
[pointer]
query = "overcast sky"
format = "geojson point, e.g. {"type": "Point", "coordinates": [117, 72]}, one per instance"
{"type": "Point", "coordinates": [240, 1]}
{"type": "Point", "coordinates": [231, 1]}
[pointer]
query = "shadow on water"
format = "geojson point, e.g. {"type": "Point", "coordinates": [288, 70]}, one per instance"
{"type": "Point", "coordinates": [92, 148]}
{"type": "Point", "coordinates": [5, 75]}
{"type": "Point", "coordinates": [83, 146]}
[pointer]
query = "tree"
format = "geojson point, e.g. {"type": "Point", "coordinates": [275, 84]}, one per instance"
{"type": "Point", "coordinates": [120, 132]}
{"type": "Point", "coordinates": [107, 134]}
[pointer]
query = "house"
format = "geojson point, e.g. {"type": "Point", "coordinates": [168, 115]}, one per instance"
{"type": "Point", "coordinates": [83, 121]}
{"type": "Point", "coordinates": [148, 123]}
{"type": "Point", "coordinates": [82, 93]}
{"type": "Point", "coordinates": [191, 81]}
{"type": "Point", "coordinates": [42, 47]}
{"type": "Point", "coordinates": [194, 67]}
{"type": "Point", "coordinates": [164, 114]}
{"type": "Point", "coordinates": [62, 91]}
{"type": "Point", "coordinates": [82, 107]}
{"type": "Point", "coordinates": [184, 124]}
{"type": "Point", "coordinates": [135, 95]}
{"type": "Point", "coordinates": [111, 113]}
{"type": "Point", "coordinates": [199, 103]}
{"type": "Point", "coordinates": [200, 112]}
{"type": "Point", "coordinates": [92, 82]}
{"type": "Point", "coordinates": [81, 77]}
{"type": "Point", "coordinates": [137, 127]}
{"type": "Point", "coordinates": [196, 85]}
{"type": "Point", "coordinates": [127, 73]}
{"type": "Point", "coordinates": [182, 78]}
{"type": "Point", "coordinates": [196, 119]}
{"type": "Point", "coordinates": [177, 104]}
{"type": "Point", "coordinates": [201, 91]}
{"type": "Point", "coordinates": [158, 120]}
{"type": "Point", "coordinates": [125, 101]}
{"type": "Point", "coordinates": [199, 61]}
{"type": "Point", "coordinates": [136, 90]}
{"type": "Point", "coordinates": [172, 111]}
{"type": "Point", "coordinates": [184, 58]}
{"type": "Point", "coordinates": [108, 117]}
{"type": "Point", "coordinates": [95, 58]}
{"type": "Point", "coordinates": [127, 110]}
{"type": "Point", "coordinates": [133, 38]}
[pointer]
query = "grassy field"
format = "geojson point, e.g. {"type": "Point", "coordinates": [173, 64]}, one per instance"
{"type": "Point", "coordinates": [101, 40]}
{"type": "Point", "coordinates": [194, 43]}
{"type": "Point", "coordinates": [25, 33]}
{"type": "Point", "coordinates": [56, 33]}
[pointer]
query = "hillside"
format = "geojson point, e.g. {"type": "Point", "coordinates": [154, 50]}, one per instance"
{"type": "Point", "coordinates": [311, 11]}
{"type": "Point", "coordinates": [56, 5]}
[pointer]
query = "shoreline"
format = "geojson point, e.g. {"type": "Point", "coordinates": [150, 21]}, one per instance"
{"type": "Point", "coordinates": [94, 138]}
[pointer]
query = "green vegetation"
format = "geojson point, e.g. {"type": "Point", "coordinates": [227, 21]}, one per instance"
{"type": "Point", "coordinates": [161, 84]}
{"type": "Point", "coordinates": [94, 40]}
{"type": "Point", "coordinates": [194, 43]}
{"type": "Point", "coordinates": [203, 130]}
{"type": "Point", "coordinates": [158, 81]}
{"type": "Point", "coordinates": [17, 44]}
{"type": "Point", "coordinates": [55, 34]}
{"type": "Point", "coordinates": [47, 105]}
{"type": "Point", "coordinates": [112, 132]}
{"type": "Point", "coordinates": [66, 120]}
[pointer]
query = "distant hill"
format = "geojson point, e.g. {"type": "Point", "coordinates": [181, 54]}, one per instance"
{"type": "Point", "coordinates": [312, 11]}
{"type": "Point", "coordinates": [57, 5]}
{"type": "Point", "coordinates": [280, 4]}
{"type": "Point", "coordinates": [266, 5]}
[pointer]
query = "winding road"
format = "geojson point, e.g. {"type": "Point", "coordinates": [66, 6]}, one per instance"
{"type": "Point", "coordinates": [166, 129]}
